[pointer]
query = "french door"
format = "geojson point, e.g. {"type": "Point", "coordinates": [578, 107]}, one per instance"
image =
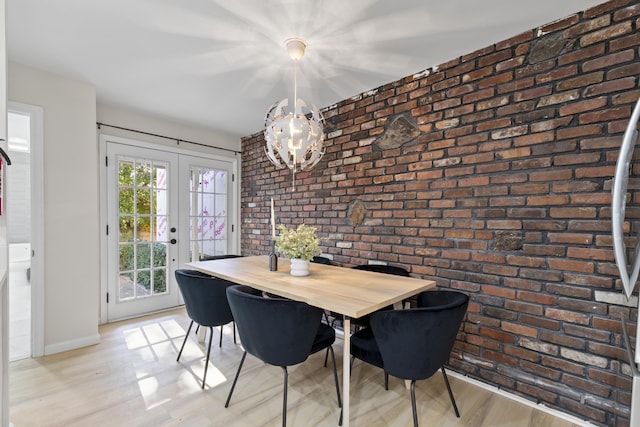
{"type": "Point", "coordinates": [163, 209]}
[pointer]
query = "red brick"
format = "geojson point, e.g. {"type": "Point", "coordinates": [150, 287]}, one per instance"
{"type": "Point", "coordinates": [582, 106]}
{"type": "Point", "coordinates": [567, 316]}
{"type": "Point", "coordinates": [611, 86]}
{"type": "Point", "coordinates": [581, 54]}
{"type": "Point", "coordinates": [605, 115]}
{"type": "Point", "coordinates": [569, 265]}
{"type": "Point", "coordinates": [606, 33]}
{"type": "Point", "coordinates": [608, 60]}
{"type": "Point", "coordinates": [580, 81]}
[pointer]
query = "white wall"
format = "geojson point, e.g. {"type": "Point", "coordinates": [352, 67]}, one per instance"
{"type": "Point", "coordinates": [71, 258]}
{"type": "Point", "coordinates": [161, 126]}
{"type": "Point", "coordinates": [71, 174]}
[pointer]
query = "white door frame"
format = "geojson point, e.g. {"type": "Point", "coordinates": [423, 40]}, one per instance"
{"type": "Point", "coordinates": [234, 215]}
{"type": "Point", "coordinates": [36, 115]}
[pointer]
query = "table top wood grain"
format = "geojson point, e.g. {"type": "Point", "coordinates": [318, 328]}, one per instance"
{"type": "Point", "coordinates": [347, 291]}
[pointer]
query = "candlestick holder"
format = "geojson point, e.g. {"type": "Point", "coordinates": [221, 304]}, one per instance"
{"type": "Point", "coordinates": [273, 258]}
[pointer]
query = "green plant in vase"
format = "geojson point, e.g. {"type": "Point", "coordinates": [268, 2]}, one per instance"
{"type": "Point", "coordinates": [300, 243]}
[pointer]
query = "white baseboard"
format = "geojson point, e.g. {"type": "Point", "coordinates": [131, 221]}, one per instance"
{"type": "Point", "coordinates": [71, 344]}
{"type": "Point", "coordinates": [539, 406]}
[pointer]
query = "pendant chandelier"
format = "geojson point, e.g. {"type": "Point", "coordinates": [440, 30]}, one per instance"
{"type": "Point", "coordinates": [294, 136]}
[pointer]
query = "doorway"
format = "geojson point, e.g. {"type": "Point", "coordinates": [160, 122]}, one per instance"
{"type": "Point", "coordinates": [163, 208]}
{"type": "Point", "coordinates": [24, 231]}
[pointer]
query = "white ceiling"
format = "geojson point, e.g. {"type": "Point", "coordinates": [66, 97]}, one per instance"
{"type": "Point", "coordinates": [220, 64]}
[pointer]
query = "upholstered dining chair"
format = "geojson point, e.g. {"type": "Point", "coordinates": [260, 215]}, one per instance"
{"type": "Point", "coordinates": [205, 300]}
{"type": "Point", "coordinates": [321, 260]}
{"type": "Point", "coordinates": [414, 344]}
{"type": "Point", "coordinates": [280, 332]}
{"type": "Point", "coordinates": [378, 268]}
{"type": "Point", "coordinates": [363, 322]}
{"type": "Point", "coordinates": [212, 258]}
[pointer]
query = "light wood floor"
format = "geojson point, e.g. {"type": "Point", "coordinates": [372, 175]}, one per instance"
{"type": "Point", "coordinates": [132, 379]}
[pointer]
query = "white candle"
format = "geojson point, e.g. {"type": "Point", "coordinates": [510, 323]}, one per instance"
{"type": "Point", "coordinates": [273, 220]}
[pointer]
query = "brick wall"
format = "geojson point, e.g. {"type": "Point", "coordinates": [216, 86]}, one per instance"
{"type": "Point", "coordinates": [504, 194]}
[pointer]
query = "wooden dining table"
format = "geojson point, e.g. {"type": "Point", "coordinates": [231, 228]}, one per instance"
{"type": "Point", "coordinates": [350, 292]}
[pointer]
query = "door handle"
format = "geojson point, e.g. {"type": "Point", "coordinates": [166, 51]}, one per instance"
{"type": "Point", "coordinates": [173, 241]}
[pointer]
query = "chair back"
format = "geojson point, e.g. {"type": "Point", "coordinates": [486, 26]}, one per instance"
{"type": "Point", "coordinates": [214, 257]}
{"type": "Point", "coordinates": [277, 331]}
{"type": "Point", "coordinates": [415, 343]}
{"type": "Point", "coordinates": [382, 268]}
{"type": "Point", "coordinates": [204, 297]}
{"type": "Point", "coordinates": [321, 260]}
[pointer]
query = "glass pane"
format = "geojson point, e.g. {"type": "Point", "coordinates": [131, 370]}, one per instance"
{"type": "Point", "coordinates": [125, 286]}
{"type": "Point", "coordinates": [221, 205]}
{"type": "Point", "coordinates": [199, 180]}
{"type": "Point", "coordinates": [208, 185]}
{"type": "Point", "coordinates": [208, 228]}
{"type": "Point", "coordinates": [143, 255]}
{"type": "Point", "coordinates": [160, 229]}
{"type": "Point", "coordinates": [125, 173]}
{"type": "Point", "coordinates": [196, 204]}
{"type": "Point", "coordinates": [143, 174]}
{"type": "Point", "coordinates": [159, 281]}
{"type": "Point", "coordinates": [221, 228]}
{"type": "Point", "coordinates": [159, 255]}
{"type": "Point", "coordinates": [208, 205]}
{"type": "Point", "coordinates": [125, 200]}
{"type": "Point", "coordinates": [126, 257]}
{"type": "Point", "coordinates": [143, 202]}
{"type": "Point", "coordinates": [221, 247]}
{"type": "Point", "coordinates": [221, 182]}
{"type": "Point", "coordinates": [208, 248]}
{"type": "Point", "coordinates": [143, 228]}
{"type": "Point", "coordinates": [160, 202]}
{"type": "Point", "coordinates": [126, 228]}
{"type": "Point", "coordinates": [144, 283]}
{"type": "Point", "coordinates": [160, 177]}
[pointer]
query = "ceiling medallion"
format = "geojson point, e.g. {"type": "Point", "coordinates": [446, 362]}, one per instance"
{"type": "Point", "coordinates": [294, 137]}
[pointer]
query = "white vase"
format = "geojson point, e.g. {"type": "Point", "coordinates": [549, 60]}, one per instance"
{"type": "Point", "coordinates": [299, 267]}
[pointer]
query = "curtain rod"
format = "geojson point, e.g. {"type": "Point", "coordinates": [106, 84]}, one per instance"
{"type": "Point", "coordinates": [177, 140]}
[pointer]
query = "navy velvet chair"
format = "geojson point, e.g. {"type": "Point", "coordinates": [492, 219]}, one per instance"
{"type": "Point", "coordinates": [278, 331]}
{"type": "Point", "coordinates": [205, 300]}
{"type": "Point", "coordinates": [322, 260]}
{"type": "Point", "coordinates": [363, 321]}
{"type": "Point", "coordinates": [413, 344]}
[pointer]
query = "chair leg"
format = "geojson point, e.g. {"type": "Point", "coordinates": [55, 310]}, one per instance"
{"type": "Point", "coordinates": [335, 375]}
{"type": "Point", "coordinates": [206, 363]}
{"type": "Point", "coordinates": [453, 401]}
{"type": "Point", "coordinates": [413, 403]}
{"type": "Point", "coordinates": [386, 380]}
{"type": "Point", "coordinates": [284, 397]}
{"type": "Point", "coordinates": [325, 317]}
{"type": "Point", "coordinates": [326, 357]}
{"type": "Point", "coordinates": [221, 326]}
{"type": "Point", "coordinates": [234, 332]}
{"type": "Point", "coordinates": [244, 355]}
{"type": "Point", "coordinates": [185, 341]}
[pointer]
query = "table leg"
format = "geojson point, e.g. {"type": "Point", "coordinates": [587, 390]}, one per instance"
{"type": "Point", "coordinates": [202, 335]}
{"type": "Point", "coordinates": [346, 366]}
